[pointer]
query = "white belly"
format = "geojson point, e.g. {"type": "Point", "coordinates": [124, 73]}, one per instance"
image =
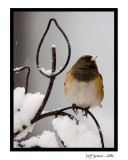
{"type": "Point", "coordinates": [82, 94]}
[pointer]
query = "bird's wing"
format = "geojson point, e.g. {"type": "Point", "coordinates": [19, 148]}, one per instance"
{"type": "Point", "coordinates": [102, 80]}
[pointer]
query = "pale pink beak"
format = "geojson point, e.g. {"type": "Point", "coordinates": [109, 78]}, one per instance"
{"type": "Point", "coordinates": [93, 58]}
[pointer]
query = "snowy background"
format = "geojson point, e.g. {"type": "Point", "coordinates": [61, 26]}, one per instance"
{"type": "Point", "coordinates": [89, 33]}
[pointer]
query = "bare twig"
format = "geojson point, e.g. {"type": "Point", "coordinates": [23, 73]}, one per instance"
{"type": "Point", "coordinates": [62, 142]}
{"type": "Point", "coordinates": [18, 70]}
{"type": "Point", "coordinates": [53, 59]}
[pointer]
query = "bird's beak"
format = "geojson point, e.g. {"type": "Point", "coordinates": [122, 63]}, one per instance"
{"type": "Point", "coordinates": [93, 58]}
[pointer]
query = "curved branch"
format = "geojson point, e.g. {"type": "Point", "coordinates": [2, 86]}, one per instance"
{"type": "Point", "coordinates": [18, 70]}
{"type": "Point", "coordinates": [99, 129]}
{"type": "Point", "coordinates": [38, 50]}
{"type": "Point", "coordinates": [60, 111]}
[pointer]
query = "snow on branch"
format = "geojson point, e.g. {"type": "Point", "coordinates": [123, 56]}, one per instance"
{"type": "Point", "coordinates": [74, 135]}
{"type": "Point", "coordinates": [46, 140]}
{"type": "Point", "coordinates": [25, 108]}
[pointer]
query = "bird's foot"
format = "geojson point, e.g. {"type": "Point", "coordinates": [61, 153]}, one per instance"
{"type": "Point", "coordinates": [85, 110]}
{"type": "Point", "coordinates": [74, 108]}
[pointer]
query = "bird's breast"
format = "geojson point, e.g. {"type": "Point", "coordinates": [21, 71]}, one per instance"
{"type": "Point", "coordinates": [83, 93]}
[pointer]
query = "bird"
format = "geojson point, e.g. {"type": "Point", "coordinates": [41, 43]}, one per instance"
{"type": "Point", "coordinates": [83, 84]}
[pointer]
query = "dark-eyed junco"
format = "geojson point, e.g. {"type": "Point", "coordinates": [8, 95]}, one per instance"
{"type": "Point", "coordinates": [83, 84]}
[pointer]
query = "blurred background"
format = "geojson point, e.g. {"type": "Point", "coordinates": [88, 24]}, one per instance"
{"type": "Point", "coordinates": [89, 33]}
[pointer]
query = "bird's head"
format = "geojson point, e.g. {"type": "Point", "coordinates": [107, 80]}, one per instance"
{"type": "Point", "coordinates": [86, 61]}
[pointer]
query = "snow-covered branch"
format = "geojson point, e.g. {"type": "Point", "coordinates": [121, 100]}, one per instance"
{"type": "Point", "coordinates": [46, 140]}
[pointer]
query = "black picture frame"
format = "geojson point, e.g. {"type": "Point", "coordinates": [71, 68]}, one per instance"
{"type": "Point", "coordinates": [115, 11]}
